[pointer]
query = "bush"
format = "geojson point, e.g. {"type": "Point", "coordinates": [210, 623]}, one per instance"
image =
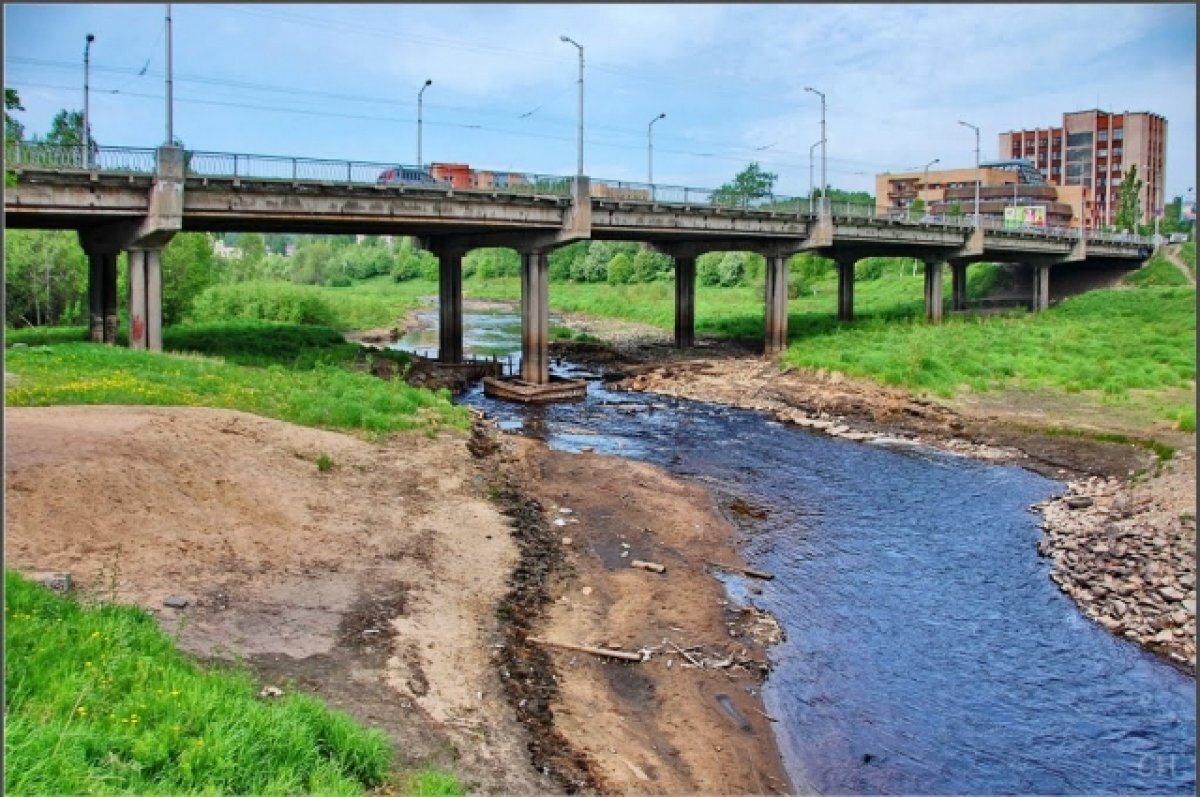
{"type": "Point", "coordinates": [620, 270]}
{"type": "Point", "coordinates": [263, 301]}
{"type": "Point", "coordinates": [871, 268]}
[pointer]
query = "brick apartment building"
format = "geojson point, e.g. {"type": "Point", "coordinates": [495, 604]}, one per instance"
{"type": "Point", "coordinates": [1094, 150]}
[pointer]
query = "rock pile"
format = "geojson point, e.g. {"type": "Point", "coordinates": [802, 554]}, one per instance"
{"type": "Point", "coordinates": [1128, 560]}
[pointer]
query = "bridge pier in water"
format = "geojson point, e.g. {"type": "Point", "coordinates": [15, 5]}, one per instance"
{"type": "Point", "coordinates": [450, 303]}
{"type": "Point", "coordinates": [535, 317]}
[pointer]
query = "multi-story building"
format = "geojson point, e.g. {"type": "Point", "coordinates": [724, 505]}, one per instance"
{"type": "Point", "coordinates": [1094, 150]}
{"type": "Point", "coordinates": [1002, 184]}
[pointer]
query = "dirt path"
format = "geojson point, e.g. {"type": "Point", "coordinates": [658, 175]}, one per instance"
{"type": "Point", "coordinates": [1171, 253]}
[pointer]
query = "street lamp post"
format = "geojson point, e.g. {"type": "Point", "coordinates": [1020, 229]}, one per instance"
{"type": "Point", "coordinates": [810, 171]}
{"type": "Point", "coordinates": [650, 150]}
{"type": "Point", "coordinates": [420, 101]}
{"type": "Point", "coordinates": [579, 46]}
{"type": "Point", "coordinates": [824, 181]}
{"type": "Point", "coordinates": [976, 129]}
{"type": "Point", "coordinates": [87, 48]}
{"type": "Point", "coordinates": [925, 176]}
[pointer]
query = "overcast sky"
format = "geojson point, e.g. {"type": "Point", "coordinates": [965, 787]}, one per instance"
{"type": "Point", "coordinates": [341, 81]}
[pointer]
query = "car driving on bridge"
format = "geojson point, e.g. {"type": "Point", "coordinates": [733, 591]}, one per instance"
{"type": "Point", "coordinates": [406, 175]}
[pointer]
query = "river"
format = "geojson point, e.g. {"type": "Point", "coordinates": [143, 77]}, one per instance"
{"type": "Point", "coordinates": [927, 651]}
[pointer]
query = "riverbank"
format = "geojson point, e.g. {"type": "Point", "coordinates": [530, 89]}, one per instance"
{"type": "Point", "coordinates": [400, 584]}
{"type": "Point", "coordinates": [1122, 534]}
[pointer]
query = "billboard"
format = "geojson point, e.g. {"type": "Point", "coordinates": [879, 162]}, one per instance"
{"type": "Point", "coordinates": [1024, 216]}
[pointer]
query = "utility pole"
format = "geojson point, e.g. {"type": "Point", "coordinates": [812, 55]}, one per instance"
{"type": "Point", "coordinates": [170, 91]}
{"type": "Point", "coordinates": [976, 129]}
{"type": "Point", "coordinates": [579, 46]}
{"type": "Point", "coordinates": [420, 99]}
{"type": "Point", "coordinates": [86, 160]}
{"type": "Point", "coordinates": [810, 171]}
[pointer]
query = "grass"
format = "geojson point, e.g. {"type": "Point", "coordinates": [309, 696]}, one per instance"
{"type": "Point", "coordinates": [99, 701]}
{"type": "Point", "coordinates": [1158, 271]}
{"type": "Point", "coordinates": [325, 396]}
{"type": "Point", "coordinates": [1187, 253]}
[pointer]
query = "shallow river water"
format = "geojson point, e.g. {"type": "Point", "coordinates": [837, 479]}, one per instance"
{"type": "Point", "coordinates": [927, 651]}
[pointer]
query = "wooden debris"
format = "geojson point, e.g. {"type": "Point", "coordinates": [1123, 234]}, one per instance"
{"type": "Point", "coordinates": [653, 567]}
{"type": "Point", "coordinates": [684, 653]}
{"type": "Point", "coordinates": [743, 570]}
{"type": "Point", "coordinates": [763, 713]}
{"type": "Point", "coordinates": [612, 654]}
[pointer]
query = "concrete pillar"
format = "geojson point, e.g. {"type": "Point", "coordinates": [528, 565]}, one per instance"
{"type": "Point", "coordinates": [777, 318]}
{"type": "Point", "coordinates": [685, 302]}
{"type": "Point", "coordinates": [450, 307]}
{"type": "Point", "coordinates": [154, 299]}
{"type": "Point", "coordinates": [845, 310]}
{"type": "Point", "coordinates": [137, 298]}
{"type": "Point", "coordinates": [1041, 288]}
{"type": "Point", "coordinates": [535, 318]}
{"type": "Point", "coordinates": [933, 291]}
{"type": "Point", "coordinates": [95, 297]}
{"type": "Point", "coordinates": [108, 296]}
{"type": "Point", "coordinates": [145, 299]}
{"type": "Point", "coordinates": [958, 287]}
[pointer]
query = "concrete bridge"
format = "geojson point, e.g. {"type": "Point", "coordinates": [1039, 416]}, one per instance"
{"type": "Point", "coordinates": [135, 200]}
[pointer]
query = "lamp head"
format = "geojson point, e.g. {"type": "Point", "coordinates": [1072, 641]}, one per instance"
{"type": "Point", "coordinates": [663, 115]}
{"type": "Point", "coordinates": [428, 82]}
{"type": "Point", "coordinates": [90, 38]}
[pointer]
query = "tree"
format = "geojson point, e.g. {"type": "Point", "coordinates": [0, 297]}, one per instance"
{"type": "Point", "coordinates": [1129, 202]}
{"type": "Point", "coordinates": [916, 209]}
{"type": "Point", "coordinates": [66, 130]}
{"type": "Point", "coordinates": [13, 130]}
{"type": "Point", "coordinates": [188, 267]}
{"type": "Point", "coordinates": [749, 184]}
{"type": "Point", "coordinates": [45, 274]}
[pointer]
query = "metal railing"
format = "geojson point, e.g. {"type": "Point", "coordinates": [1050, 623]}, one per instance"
{"type": "Point", "coordinates": [144, 160]}
{"type": "Point", "coordinates": [275, 167]}
{"type": "Point", "coordinates": [25, 154]}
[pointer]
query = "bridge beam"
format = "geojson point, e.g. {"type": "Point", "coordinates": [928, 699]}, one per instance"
{"type": "Point", "coordinates": [776, 301]}
{"type": "Point", "coordinates": [685, 302]}
{"type": "Point", "coordinates": [933, 290]}
{"type": "Point", "coordinates": [845, 273]}
{"type": "Point", "coordinates": [958, 285]}
{"type": "Point", "coordinates": [535, 317]}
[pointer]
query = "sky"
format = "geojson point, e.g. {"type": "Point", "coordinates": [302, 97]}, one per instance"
{"type": "Point", "coordinates": [342, 81]}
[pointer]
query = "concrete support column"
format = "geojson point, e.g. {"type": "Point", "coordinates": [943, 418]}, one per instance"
{"type": "Point", "coordinates": [777, 310]}
{"type": "Point", "coordinates": [535, 318]}
{"type": "Point", "coordinates": [1041, 288]}
{"type": "Point", "coordinates": [958, 287]}
{"type": "Point", "coordinates": [108, 296]}
{"type": "Point", "coordinates": [685, 302]}
{"type": "Point", "coordinates": [450, 307]}
{"type": "Point", "coordinates": [95, 297]}
{"type": "Point", "coordinates": [933, 291]}
{"type": "Point", "coordinates": [845, 271]}
{"type": "Point", "coordinates": [154, 340]}
{"type": "Point", "coordinates": [137, 298]}
{"type": "Point", "coordinates": [145, 299]}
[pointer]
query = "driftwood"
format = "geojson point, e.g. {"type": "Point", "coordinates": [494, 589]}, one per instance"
{"type": "Point", "coordinates": [653, 567]}
{"type": "Point", "coordinates": [612, 654]}
{"type": "Point", "coordinates": [744, 571]}
{"type": "Point", "coordinates": [763, 713]}
{"type": "Point", "coordinates": [684, 653]}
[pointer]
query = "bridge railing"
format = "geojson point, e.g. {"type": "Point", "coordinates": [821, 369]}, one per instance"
{"type": "Point", "coordinates": [140, 160]}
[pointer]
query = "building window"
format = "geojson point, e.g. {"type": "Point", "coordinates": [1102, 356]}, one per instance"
{"type": "Point", "coordinates": [1079, 139]}
{"type": "Point", "coordinates": [1118, 134]}
{"type": "Point", "coordinates": [1103, 136]}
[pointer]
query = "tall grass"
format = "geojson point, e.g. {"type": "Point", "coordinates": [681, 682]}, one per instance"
{"type": "Point", "coordinates": [99, 701]}
{"type": "Point", "coordinates": [326, 396]}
